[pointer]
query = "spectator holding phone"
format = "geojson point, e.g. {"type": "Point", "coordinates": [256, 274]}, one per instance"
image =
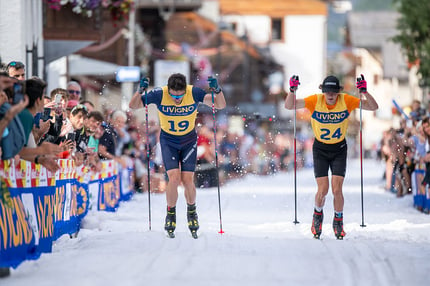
{"type": "Point", "coordinates": [6, 118]}
{"type": "Point", "coordinates": [55, 113]}
{"type": "Point", "coordinates": [45, 154]}
{"type": "Point", "coordinates": [86, 144]}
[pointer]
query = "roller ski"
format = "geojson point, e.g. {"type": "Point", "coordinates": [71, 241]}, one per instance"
{"type": "Point", "coordinates": [317, 224]}
{"type": "Point", "coordinates": [338, 227]}
{"type": "Point", "coordinates": [170, 224]}
{"type": "Point", "coordinates": [193, 223]}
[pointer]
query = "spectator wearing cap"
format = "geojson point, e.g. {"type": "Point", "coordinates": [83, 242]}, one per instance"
{"type": "Point", "coordinates": [16, 69]}
{"type": "Point", "coordinates": [71, 104]}
{"type": "Point", "coordinates": [74, 90]}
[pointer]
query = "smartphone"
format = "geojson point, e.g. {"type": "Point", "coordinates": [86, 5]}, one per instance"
{"type": "Point", "coordinates": [18, 94]}
{"type": "Point", "coordinates": [71, 137]}
{"type": "Point", "coordinates": [58, 98]}
{"type": "Point", "coordinates": [46, 115]}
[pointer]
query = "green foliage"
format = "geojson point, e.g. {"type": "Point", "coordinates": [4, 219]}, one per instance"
{"type": "Point", "coordinates": [414, 34]}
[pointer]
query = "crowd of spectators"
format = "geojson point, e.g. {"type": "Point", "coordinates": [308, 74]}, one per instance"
{"type": "Point", "coordinates": [405, 151]}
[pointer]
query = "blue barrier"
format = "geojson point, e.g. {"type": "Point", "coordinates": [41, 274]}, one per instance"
{"type": "Point", "coordinates": [37, 207]}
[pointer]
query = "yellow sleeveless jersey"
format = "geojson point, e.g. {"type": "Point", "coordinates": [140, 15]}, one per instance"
{"type": "Point", "coordinates": [330, 124]}
{"type": "Point", "coordinates": [177, 119]}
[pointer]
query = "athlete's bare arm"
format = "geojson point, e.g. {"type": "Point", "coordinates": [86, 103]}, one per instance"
{"type": "Point", "coordinates": [368, 102]}
{"type": "Point", "coordinates": [219, 100]}
{"type": "Point", "coordinates": [289, 102]}
{"type": "Point", "coordinates": [136, 101]}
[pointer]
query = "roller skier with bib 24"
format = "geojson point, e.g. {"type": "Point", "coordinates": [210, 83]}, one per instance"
{"type": "Point", "coordinates": [329, 119]}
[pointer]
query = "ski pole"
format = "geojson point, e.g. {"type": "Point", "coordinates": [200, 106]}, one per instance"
{"type": "Point", "coordinates": [148, 159]}
{"type": "Point", "coordinates": [361, 157]}
{"type": "Point", "coordinates": [216, 163]}
{"type": "Point", "coordinates": [295, 159]}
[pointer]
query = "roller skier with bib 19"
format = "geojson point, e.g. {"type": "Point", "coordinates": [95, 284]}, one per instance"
{"type": "Point", "coordinates": [329, 119]}
{"type": "Point", "coordinates": [177, 104]}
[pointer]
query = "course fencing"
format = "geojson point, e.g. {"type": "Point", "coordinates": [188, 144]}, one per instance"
{"type": "Point", "coordinates": [37, 206]}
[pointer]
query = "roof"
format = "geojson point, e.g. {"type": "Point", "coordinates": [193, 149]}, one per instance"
{"type": "Point", "coordinates": [273, 8]}
{"type": "Point", "coordinates": [374, 30]}
{"type": "Point", "coordinates": [201, 33]}
{"type": "Point", "coordinates": [371, 29]}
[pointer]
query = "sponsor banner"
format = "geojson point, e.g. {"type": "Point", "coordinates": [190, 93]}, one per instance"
{"type": "Point", "coordinates": [37, 206]}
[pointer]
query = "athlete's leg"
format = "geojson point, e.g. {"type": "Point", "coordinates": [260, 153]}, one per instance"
{"type": "Point", "coordinates": [172, 187]}
{"type": "Point", "coordinates": [323, 184]}
{"type": "Point", "coordinates": [336, 186]}
{"type": "Point", "coordinates": [189, 186]}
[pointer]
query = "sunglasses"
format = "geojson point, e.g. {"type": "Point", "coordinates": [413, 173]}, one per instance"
{"type": "Point", "coordinates": [71, 91]}
{"type": "Point", "coordinates": [79, 107]}
{"type": "Point", "coordinates": [177, 96]}
{"type": "Point", "coordinates": [16, 65]}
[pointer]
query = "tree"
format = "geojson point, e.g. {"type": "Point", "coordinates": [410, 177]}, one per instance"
{"type": "Point", "coordinates": [414, 34]}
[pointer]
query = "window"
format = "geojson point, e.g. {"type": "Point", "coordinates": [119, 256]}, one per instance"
{"type": "Point", "coordinates": [277, 34]}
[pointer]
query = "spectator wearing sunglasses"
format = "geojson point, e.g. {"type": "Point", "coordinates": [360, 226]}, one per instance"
{"type": "Point", "coordinates": [16, 69]}
{"type": "Point", "coordinates": [177, 104]}
{"type": "Point", "coordinates": [74, 90]}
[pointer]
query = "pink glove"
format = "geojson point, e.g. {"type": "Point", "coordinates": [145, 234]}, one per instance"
{"type": "Point", "coordinates": [294, 83]}
{"type": "Point", "coordinates": [361, 84]}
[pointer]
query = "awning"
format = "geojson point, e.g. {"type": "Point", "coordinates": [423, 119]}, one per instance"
{"type": "Point", "coordinates": [79, 65]}
{"type": "Point", "coordinates": [55, 49]}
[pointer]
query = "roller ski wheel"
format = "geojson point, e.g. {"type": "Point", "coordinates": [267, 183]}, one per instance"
{"type": "Point", "coordinates": [194, 234]}
{"type": "Point", "coordinates": [170, 234]}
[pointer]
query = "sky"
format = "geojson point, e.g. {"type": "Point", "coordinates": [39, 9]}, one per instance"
{"type": "Point", "coordinates": [260, 246]}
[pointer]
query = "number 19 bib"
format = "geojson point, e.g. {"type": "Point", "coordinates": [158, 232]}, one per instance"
{"type": "Point", "coordinates": [177, 119]}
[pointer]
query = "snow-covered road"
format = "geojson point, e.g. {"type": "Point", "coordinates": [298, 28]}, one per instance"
{"type": "Point", "coordinates": [261, 244]}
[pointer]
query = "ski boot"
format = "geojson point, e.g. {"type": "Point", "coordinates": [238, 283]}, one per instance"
{"type": "Point", "coordinates": [193, 223]}
{"type": "Point", "coordinates": [338, 227]}
{"type": "Point", "coordinates": [317, 223]}
{"type": "Point", "coordinates": [170, 224]}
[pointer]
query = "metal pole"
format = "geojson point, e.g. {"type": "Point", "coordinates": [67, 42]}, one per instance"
{"type": "Point", "coordinates": [216, 164]}
{"type": "Point", "coordinates": [295, 162]}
